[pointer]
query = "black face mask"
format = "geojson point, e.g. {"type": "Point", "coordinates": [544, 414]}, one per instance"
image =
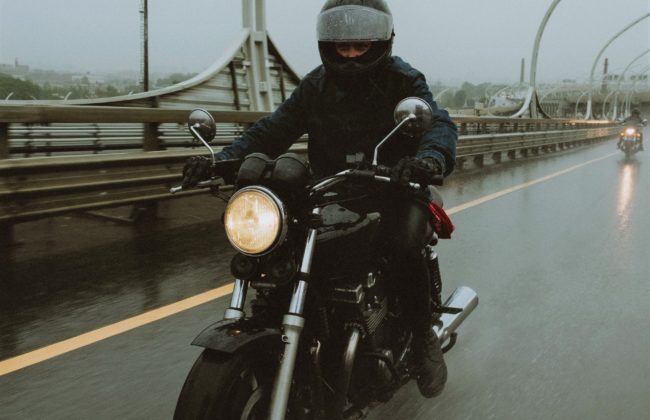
{"type": "Point", "coordinates": [374, 58]}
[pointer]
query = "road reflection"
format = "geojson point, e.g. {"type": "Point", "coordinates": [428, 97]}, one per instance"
{"type": "Point", "coordinates": [627, 180]}
{"type": "Point", "coordinates": [58, 296]}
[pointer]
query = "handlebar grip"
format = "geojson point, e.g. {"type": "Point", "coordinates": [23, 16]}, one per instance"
{"type": "Point", "coordinates": [383, 171]}
{"type": "Point", "coordinates": [363, 174]}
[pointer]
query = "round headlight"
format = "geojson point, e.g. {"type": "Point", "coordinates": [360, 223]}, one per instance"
{"type": "Point", "coordinates": [255, 220]}
{"type": "Point", "coordinates": [630, 131]}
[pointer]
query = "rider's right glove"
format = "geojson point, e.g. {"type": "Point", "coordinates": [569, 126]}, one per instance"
{"type": "Point", "coordinates": [410, 169]}
{"type": "Point", "coordinates": [196, 169]}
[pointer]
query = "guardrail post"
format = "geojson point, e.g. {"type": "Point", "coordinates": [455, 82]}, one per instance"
{"type": "Point", "coordinates": [147, 210]}
{"type": "Point", "coordinates": [151, 139]}
{"type": "Point", "coordinates": [6, 229]}
{"type": "Point", "coordinates": [4, 140]}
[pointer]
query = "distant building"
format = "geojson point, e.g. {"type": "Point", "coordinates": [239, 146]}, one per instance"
{"type": "Point", "coordinates": [16, 70]}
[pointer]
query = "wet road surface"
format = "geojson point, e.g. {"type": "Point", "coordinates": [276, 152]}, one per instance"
{"type": "Point", "coordinates": [561, 268]}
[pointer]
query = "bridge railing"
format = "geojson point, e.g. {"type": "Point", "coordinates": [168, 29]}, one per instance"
{"type": "Point", "coordinates": [45, 186]}
{"type": "Point", "coordinates": [54, 130]}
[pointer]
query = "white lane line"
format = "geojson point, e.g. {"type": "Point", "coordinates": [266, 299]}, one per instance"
{"type": "Point", "coordinates": [37, 356]}
{"type": "Point", "coordinates": [74, 343]}
{"type": "Point", "coordinates": [501, 193]}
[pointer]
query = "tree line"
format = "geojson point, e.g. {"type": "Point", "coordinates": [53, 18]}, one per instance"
{"type": "Point", "coordinates": [17, 89]}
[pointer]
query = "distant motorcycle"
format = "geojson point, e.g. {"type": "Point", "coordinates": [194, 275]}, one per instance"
{"type": "Point", "coordinates": [326, 337]}
{"type": "Point", "coordinates": [629, 140]}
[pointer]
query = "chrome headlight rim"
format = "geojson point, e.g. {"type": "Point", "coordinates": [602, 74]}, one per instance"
{"type": "Point", "coordinates": [282, 211]}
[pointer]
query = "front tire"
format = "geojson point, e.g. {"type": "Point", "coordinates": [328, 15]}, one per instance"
{"type": "Point", "coordinates": [225, 387]}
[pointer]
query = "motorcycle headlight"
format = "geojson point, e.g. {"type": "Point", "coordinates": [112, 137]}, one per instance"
{"type": "Point", "coordinates": [255, 221]}
{"type": "Point", "coordinates": [630, 131]}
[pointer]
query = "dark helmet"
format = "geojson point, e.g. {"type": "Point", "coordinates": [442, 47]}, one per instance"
{"type": "Point", "coordinates": [636, 112]}
{"type": "Point", "coordinates": [355, 21]}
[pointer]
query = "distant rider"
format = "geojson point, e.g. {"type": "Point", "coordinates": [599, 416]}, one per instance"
{"type": "Point", "coordinates": [634, 120]}
{"type": "Point", "coordinates": [346, 106]}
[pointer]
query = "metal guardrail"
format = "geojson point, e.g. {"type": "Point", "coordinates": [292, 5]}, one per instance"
{"type": "Point", "coordinates": [45, 131]}
{"type": "Point", "coordinates": [44, 186]}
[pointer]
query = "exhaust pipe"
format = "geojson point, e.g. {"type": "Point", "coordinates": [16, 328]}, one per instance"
{"type": "Point", "coordinates": [463, 298]}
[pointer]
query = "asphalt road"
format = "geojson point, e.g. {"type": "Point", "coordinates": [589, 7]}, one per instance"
{"type": "Point", "coordinates": [561, 268]}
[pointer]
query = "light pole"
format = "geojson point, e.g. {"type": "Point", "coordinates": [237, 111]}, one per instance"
{"type": "Point", "coordinates": [630, 93]}
{"type": "Point", "coordinates": [532, 107]}
{"type": "Point", "coordinates": [621, 78]}
{"type": "Point", "coordinates": [584, 93]}
{"type": "Point", "coordinates": [144, 26]}
{"type": "Point", "coordinates": [600, 53]}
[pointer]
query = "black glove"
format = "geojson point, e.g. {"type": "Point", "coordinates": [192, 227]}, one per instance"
{"type": "Point", "coordinates": [410, 169]}
{"type": "Point", "coordinates": [197, 168]}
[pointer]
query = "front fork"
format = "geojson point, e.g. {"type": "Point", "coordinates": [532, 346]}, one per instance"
{"type": "Point", "coordinates": [293, 324]}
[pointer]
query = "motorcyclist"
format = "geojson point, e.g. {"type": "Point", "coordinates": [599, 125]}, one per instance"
{"type": "Point", "coordinates": [634, 120]}
{"type": "Point", "coordinates": [346, 105]}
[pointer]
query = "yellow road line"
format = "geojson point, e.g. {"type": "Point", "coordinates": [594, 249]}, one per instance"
{"type": "Point", "coordinates": [74, 343]}
{"type": "Point", "coordinates": [57, 349]}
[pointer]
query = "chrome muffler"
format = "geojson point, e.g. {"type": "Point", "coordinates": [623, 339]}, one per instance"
{"type": "Point", "coordinates": [463, 298]}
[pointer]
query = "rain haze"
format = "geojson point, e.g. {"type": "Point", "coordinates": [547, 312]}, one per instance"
{"type": "Point", "coordinates": [449, 41]}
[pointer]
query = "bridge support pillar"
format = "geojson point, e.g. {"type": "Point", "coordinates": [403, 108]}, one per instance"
{"type": "Point", "coordinates": [512, 154]}
{"type": "Point", "coordinates": [478, 160]}
{"type": "Point", "coordinates": [496, 157]}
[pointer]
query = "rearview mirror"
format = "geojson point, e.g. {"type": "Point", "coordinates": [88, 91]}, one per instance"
{"type": "Point", "coordinates": [203, 128]}
{"type": "Point", "coordinates": [413, 116]}
{"type": "Point", "coordinates": [419, 113]}
{"type": "Point", "coordinates": [201, 123]}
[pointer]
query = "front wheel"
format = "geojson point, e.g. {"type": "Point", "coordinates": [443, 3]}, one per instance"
{"type": "Point", "coordinates": [225, 387]}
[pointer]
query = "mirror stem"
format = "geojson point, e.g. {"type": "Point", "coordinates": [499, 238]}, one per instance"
{"type": "Point", "coordinates": [205, 143]}
{"type": "Point", "coordinates": [404, 121]}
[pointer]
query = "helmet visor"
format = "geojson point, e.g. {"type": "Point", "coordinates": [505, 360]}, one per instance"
{"type": "Point", "coordinates": [354, 23]}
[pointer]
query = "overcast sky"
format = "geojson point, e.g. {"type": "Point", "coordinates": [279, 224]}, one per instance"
{"type": "Point", "coordinates": [449, 41]}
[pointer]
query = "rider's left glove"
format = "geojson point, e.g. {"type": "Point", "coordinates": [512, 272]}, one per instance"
{"type": "Point", "coordinates": [196, 169]}
{"type": "Point", "coordinates": [411, 169]}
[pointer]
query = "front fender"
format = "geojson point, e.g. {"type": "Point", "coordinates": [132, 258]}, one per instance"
{"type": "Point", "coordinates": [230, 336]}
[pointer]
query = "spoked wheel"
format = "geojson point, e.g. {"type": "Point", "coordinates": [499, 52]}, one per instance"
{"type": "Point", "coordinates": [225, 387]}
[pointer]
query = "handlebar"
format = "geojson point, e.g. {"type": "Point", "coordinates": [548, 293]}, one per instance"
{"type": "Point", "coordinates": [378, 174]}
{"type": "Point", "coordinates": [382, 173]}
{"type": "Point", "coordinates": [202, 184]}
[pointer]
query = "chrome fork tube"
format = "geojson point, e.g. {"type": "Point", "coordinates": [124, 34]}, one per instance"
{"type": "Point", "coordinates": [237, 300]}
{"type": "Point", "coordinates": [293, 324]}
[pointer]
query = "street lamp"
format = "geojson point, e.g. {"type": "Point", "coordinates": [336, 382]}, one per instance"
{"type": "Point", "coordinates": [600, 53]}
{"type": "Point", "coordinates": [532, 93]}
{"type": "Point", "coordinates": [621, 78]}
{"type": "Point", "coordinates": [630, 93]}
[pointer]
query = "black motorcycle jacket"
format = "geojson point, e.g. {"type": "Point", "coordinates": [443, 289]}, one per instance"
{"type": "Point", "coordinates": [633, 120]}
{"type": "Point", "coordinates": [343, 116]}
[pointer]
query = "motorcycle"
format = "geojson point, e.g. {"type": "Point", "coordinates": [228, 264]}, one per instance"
{"type": "Point", "coordinates": [326, 337]}
{"type": "Point", "coordinates": [629, 140]}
